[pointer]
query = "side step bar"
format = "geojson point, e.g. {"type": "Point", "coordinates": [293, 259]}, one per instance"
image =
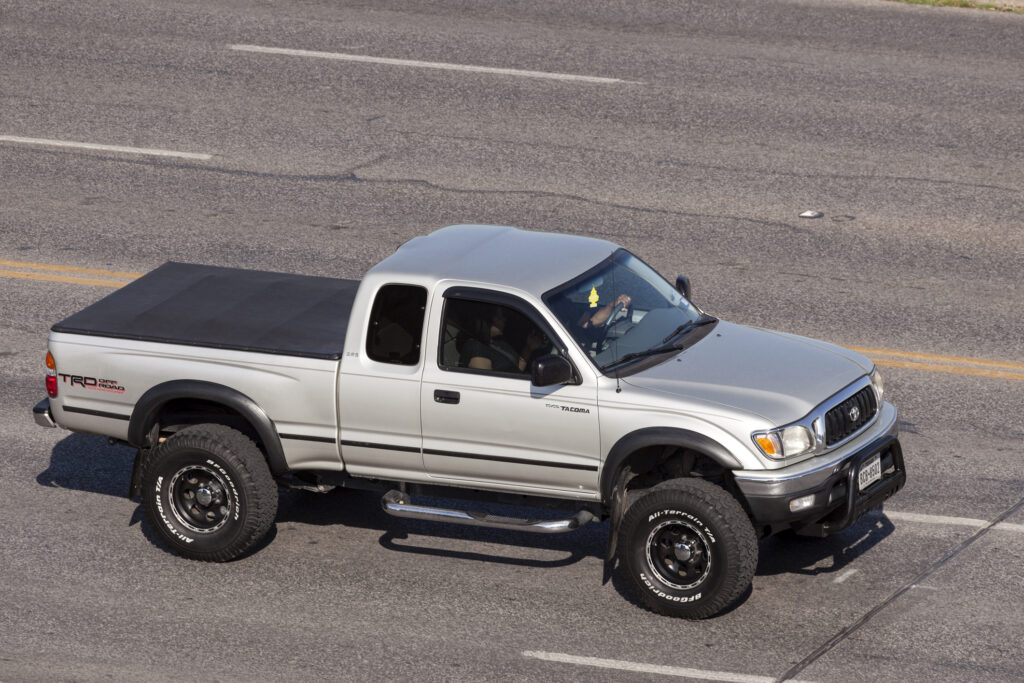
{"type": "Point", "coordinates": [398, 504]}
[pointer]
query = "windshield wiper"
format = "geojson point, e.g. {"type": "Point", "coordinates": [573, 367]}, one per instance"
{"type": "Point", "coordinates": [687, 326]}
{"type": "Point", "coordinates": [642, 354]}
{"type": "Point", "coordinates": [663, 347]}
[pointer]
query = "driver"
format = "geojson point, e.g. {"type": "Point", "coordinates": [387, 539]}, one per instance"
{"type": "Point", "coordinates": [600, 316]}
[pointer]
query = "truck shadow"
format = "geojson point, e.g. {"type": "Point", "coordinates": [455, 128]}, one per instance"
{"type": "Point", "coordinates": [787, 553]}
{"type": "Point", "coordinates": [88, 463]}
{"type": "Point", "coordinates": [362, 509]}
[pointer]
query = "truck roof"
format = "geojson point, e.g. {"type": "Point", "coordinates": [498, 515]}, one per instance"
{"type": "Point", "coordinates": [533, 262]}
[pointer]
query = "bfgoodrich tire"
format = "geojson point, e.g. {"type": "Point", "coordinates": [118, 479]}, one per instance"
{"type": "Point", "coordinates": [687, 548]}
{"type": "Point", "coordinates": [208, 493]}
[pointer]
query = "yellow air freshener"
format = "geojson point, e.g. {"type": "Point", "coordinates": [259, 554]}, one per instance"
{"type": "Point", "coordinates": [593, 298]}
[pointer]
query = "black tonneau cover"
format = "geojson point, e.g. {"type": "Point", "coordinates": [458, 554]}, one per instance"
{"type": "Point", "coordinates": [225, 308]}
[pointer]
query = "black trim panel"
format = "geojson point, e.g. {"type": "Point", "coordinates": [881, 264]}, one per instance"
{"type": "Point", "coordinates": [517, 461]}
{"type": "Point", "coordinates": [382, 446]}
{"type": "Point", "coordinates": [95, 413]}
{"type": "Point", "coordinates": [306, 437]}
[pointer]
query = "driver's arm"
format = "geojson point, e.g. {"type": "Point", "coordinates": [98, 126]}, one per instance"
{"type": "Point", "coordinates": [601, 315]}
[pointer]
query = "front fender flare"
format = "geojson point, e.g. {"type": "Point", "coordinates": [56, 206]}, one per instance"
{"type": "Point", "coordinates": [661, 436]}
{"type": "Point", "coordinates": [149, 405]}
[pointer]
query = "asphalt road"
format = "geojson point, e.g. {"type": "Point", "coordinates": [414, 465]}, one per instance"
{"type": "Point", "coordinates": [716, 125]}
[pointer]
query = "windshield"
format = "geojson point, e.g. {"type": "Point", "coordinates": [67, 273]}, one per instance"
{"type": "Point", "coordinates": [621, 310]}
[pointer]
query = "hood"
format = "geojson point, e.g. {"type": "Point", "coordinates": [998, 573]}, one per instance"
{"type": "Point", "coordinates": [780, 377]}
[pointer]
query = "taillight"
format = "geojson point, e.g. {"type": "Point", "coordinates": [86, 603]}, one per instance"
{"type": "Point", "coordinates": [51, 376]}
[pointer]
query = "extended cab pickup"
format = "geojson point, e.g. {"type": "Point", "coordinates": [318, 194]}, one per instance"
{"type": "Point", "coordinates": [480, 363]}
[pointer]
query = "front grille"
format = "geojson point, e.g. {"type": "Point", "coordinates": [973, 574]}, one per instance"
{"type": "Point", "coordinates": [838, 424]}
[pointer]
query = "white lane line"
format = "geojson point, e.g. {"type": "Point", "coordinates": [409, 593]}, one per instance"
{"type": "Point", "coordinates": [637, 667]}
{"type": "Point", "coordinates": [105, 148]}
{"type": "Point", "coordinates": [935, 519]}
{"type": "Point", "coordinates": [429, 65]}
{"type": "Point", "coordinates": [844, 576]}
{"type": "Point", "coordinates": [951, 521]}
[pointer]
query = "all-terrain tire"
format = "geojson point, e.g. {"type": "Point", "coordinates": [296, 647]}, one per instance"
{"type": "Point", "coordinates": [208, 493]}
{"type": "Point", "coordinates": [687, 549]}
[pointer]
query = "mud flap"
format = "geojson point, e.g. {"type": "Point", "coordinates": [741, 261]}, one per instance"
{"type": "Point", "coordinates": [617, 511]}
{"type": "Point", "coordinates": [152, 439]}
{"type": "Point", "coordinates": [135, 487]}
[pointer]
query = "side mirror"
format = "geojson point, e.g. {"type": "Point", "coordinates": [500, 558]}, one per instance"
{"type": "Point", "coordinates": [683, 285]}
{"type": "Point", "coordinates": [550, 370]}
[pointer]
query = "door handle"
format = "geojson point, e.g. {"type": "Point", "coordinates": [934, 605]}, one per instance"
{"type": "Point", "coordinates": [442, 396]}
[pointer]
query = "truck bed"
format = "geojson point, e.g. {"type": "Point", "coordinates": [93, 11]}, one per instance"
{"type": "Point", "coordinates": [227, 308]}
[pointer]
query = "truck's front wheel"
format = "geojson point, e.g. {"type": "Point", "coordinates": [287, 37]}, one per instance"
{"type": "Point", "coordinates": [208, 493]}
{"type": "Point", "coordinates": [687, 548]}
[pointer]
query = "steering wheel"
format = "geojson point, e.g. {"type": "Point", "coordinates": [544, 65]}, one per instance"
{"type": "Point", "coordinates": [618, 308]}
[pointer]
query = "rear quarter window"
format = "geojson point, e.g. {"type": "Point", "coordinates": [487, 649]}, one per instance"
{"type": "Point", "coordinates": [396, 324]}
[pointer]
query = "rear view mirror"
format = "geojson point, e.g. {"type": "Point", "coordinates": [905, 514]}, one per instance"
{"type": "Point", "coordinates": [550, 370]}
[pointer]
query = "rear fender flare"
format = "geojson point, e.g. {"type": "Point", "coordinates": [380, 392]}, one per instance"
{"type": "Point", "coordinates": [149, 405]}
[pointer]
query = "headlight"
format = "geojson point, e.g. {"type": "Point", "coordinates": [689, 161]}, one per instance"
{"type": "Point", "coordinates": [878, 384]}
{"type": "Point", "coordinates": [785, 442]}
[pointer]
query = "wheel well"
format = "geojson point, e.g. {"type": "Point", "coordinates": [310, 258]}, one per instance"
{"type": "Point", "coordinates": [654, 464]}
{"type": "Point", "coordinates": [645, 467]}
{"type": "Point", "coordinates": [649, 466]}
{"type": "Point", "coordinates": [632, 471]}
{"type": "Point", "coordinates": [179, 413]}
{"type": "Point", "coordinates": [170, 406]}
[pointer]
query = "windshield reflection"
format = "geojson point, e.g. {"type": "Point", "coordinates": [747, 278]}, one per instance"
{"type": "Point", "coordinates": [623, 309]}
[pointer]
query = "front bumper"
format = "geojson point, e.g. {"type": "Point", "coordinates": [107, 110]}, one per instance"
{"type": "Point", "coordinates": [837, 500]}
{"type": "Point", "coordinates": [41, 413]}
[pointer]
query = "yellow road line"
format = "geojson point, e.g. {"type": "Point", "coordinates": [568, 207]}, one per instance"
{"type": "Point", "coordinates": [45, 277]}
{"type": "Point", "coordinates": [958, 360]}
{"type": "Point", "coordinates": [67, 269]}
{"type": "Point", "coordinates": [951, 369]}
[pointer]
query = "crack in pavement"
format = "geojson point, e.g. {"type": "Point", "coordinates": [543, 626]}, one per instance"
{"type": "Point", "coordinates": [705, 167]}
{"type": "Point", "coordinates": [350, 176]}
{"type": "Point", "coordinates": [846, 632]}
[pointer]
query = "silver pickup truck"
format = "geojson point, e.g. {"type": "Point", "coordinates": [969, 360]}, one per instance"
{"type": "Point", "coordinates": [487, 364]}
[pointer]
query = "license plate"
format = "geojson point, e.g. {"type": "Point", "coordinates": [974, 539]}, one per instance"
{"type": "Point", "coordinates": [870, 471]}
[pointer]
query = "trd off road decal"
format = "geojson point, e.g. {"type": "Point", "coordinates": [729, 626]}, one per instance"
{"type": "Point", "coordinates": [92, 383]}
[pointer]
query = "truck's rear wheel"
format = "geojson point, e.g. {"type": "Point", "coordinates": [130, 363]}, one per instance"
{"type": "Point", "coordinates": [687, 549]}
{"type": "Point", "coordinates": [208, 493]}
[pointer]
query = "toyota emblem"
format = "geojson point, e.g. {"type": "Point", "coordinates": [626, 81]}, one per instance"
{"type": "Point", "coordinates": [853, 414]}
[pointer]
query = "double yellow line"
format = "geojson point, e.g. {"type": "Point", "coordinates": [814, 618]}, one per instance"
{"type": "Point", "coordinates": [956, 365]}
{"type": "Point", "coordinates": [70, 274]}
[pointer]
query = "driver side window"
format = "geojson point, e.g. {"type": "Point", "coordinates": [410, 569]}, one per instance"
{"type": "Point", "coordinates": [480, 336]}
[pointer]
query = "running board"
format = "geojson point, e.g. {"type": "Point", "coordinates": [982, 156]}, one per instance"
{"type": "Point", "coordinates": [398, 504]}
